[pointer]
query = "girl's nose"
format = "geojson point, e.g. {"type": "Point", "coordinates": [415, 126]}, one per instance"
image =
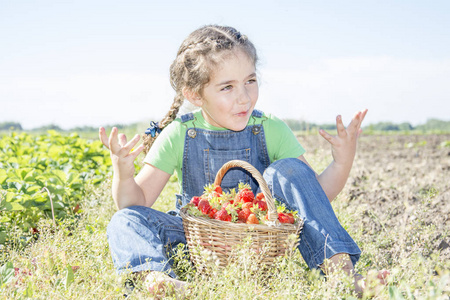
{"type": "Point", "coordinates": [244, 96]}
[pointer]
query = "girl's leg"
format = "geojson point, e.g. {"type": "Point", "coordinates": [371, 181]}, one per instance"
{"type": "Point", "coordinates": [295, 184]}
{"type": "Point", "coordinates": [141, 238]}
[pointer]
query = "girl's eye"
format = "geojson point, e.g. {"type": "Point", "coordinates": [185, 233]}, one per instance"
{"type": "Point", "coordinates": [228, 87]}
{"type": "Point", "coordinates": [251, 81]}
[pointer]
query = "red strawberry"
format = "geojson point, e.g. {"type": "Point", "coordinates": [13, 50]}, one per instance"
{"type": "Point", "coordinates": [223, 215]}
{"type": "Point", "coordinates": [247, 205]}
{"type": "Point", "coordinates": [291, 218]}
{"type": "Point", "coordinates": [243, 214]}
{"type": "Point", "coordinates": [261, 204]}
{"type": "Point", "coordinates": [218, 189]}
{"type": "Point", "coordinates": [252, 219]}
{"type": "Point", "coordinates": [204, 206]}
{"type": "Point", "coordinates": [212, 212]}
{"type": "Point", "coordinates": [260, 196]}
{"type": "Point", "coordinates": [245, 195]}
{"type": "Point", "coordinates": [195, 200]}
{"type": "Point", "coordinates": [284, 218]}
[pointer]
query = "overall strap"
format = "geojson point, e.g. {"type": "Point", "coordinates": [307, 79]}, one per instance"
{"type": "Point", "coordinates": [257, 113]}
{"type": "Point", "coordinates": [187, 117]}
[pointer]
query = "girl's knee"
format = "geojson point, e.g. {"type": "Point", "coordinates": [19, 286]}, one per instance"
{"type": "Point", "coordinates": [123, 217]}
{"type": "Point", "coordinates": [116, 221]}
{"type": "Point", "coordinates": [289, 167]}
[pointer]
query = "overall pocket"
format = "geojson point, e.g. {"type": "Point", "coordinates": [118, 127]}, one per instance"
{"type": "Point", "coordinates": [214, 159]}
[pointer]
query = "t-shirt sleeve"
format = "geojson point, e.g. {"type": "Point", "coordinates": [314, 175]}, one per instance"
{"type": "Point", "coordinates": [281, 141]}
{"type": "Point", "coordinates": [166, 151]}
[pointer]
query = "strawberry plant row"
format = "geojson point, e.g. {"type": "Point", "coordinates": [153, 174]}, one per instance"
{"type": "Point", "coordinates": [38, 172]}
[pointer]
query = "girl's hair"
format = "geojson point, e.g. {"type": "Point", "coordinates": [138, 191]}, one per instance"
{"type": "Point", "coordinates": [196, 59]}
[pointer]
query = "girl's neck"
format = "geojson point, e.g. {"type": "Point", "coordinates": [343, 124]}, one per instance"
{"type": "Point", "coordinates": [207, 115]}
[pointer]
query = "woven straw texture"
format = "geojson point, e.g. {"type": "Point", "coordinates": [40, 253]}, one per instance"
{"type": "Point", "coordinates": [218, 239]}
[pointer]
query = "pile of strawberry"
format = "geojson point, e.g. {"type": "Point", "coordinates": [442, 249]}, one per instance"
{"type": "Point", "coordinates": [240, 207]}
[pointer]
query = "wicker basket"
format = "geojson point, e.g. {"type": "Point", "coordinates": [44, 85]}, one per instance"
{"type": "Point", "coordinates": [219, 238]}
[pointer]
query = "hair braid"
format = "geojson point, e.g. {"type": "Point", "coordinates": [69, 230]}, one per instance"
{"type": "Point", "coordinates": [168, 118]}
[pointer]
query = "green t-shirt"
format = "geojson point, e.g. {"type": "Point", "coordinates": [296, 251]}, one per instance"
{"type": "Point", "coordinates": [166, 152]}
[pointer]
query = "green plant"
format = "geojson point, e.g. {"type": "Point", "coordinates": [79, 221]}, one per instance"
{"type": "Point", "coordinates": [45, 176]}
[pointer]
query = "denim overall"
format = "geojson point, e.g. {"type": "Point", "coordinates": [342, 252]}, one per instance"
{"type": "Point", "coordinates": [141, 238]}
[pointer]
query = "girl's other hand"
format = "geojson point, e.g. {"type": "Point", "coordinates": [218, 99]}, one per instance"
{"type": "Point", "coordinates": [121, 151]}
{"type": "Point", "coordinates": [343, 146]}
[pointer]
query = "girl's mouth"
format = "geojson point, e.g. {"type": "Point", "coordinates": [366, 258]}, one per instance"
{"type": "Point", "coordinates": [242, 113]}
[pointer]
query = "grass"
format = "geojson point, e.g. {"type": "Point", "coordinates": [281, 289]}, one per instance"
{"type": "Point", "coordinates": [48, 263]}
{"type": "Point", "coordinates": [73, 261]}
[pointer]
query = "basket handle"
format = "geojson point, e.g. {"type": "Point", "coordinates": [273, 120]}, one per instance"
{"type": "Point", "coordinates": [272, 211]}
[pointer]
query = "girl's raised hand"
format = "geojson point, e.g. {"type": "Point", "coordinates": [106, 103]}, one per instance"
{"type": "Point", "coordinates": [343, 146]}
{"type": "Point", "coordinates": [121, 151]}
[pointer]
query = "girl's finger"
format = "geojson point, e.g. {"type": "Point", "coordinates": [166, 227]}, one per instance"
{"type": "Point", "coordinates": [326, 136]}
{"type": "Point", "coordinates": [132, 143]}
{"type": "Point", "coordinates": [340, 127]}
{"type": "Point", "coordinates": [363, 114]}
{"type": "Point", "coordinates": [102, 136]}
{"type": "Point", "coordinates": [113, 141]}
{"type": "Point", "coordinates": [137, 151]}
{"type": "Point", "coordinates": [355, 123]}
{"type": "Point", "coordinates": [122, 139]}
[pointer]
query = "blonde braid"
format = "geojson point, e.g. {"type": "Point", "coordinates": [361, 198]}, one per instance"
{"type": "Point", "coordinates": [168, 118]}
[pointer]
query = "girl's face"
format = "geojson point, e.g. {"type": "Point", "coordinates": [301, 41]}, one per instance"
{"type": "Point", "coordinates": [229, 98]}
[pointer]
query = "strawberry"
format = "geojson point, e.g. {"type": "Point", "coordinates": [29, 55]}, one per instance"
{"type": "Point", "coordinates": [284, 218]}
{"type": "Point", "coordinates": [247, 205]}
{"type": "Point", "coordinates": [204, 206]}
{"type": "Point", "coordinates": [195, 200]}
{"type": "Point", "coordinates": [252, 219]}
{"type": "Point", "coordinates": [218, 189]}
{"type": "Point", "coordinates": [212, 212]}
{"type": "Point", "coordinates": [244, 208]}
{"type": "Point", "coordinates": [260, 196]}
{"type": "Point", "coordinates": [261, 204]}
{"type": "Point", "coordinates": [243, 214]}
{"type": "Point", "coordinates": [291, 218]}
{"type": "Point", "coordinates": [244, 195]}
{"type": "Point", "coordinates": [223, 215]}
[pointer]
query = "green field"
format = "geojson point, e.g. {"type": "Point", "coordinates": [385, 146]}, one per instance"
{"type": "Point", "coordinates": [395, 205]}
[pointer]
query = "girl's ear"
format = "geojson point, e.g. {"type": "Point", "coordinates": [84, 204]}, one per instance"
{"type": "Point", "coordinates": [192, 97]}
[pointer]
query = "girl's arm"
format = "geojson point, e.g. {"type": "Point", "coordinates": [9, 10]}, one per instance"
{"type": "Point", "coordinates": [343, 149]}
{"type": "Point", "coordinates": [128, 190]}
{"type": "Point", "coordinates": [142, 190]}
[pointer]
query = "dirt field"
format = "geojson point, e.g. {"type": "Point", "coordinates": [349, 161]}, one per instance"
{"type": "Point", "coordinates": [398, 193]}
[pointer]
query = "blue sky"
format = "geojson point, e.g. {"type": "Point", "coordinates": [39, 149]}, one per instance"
{"type": "Point", "coordinates": [75, 63]}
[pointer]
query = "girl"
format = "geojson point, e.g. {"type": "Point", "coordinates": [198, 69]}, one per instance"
{"type": "Point", "coordinates": [215, 70]}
